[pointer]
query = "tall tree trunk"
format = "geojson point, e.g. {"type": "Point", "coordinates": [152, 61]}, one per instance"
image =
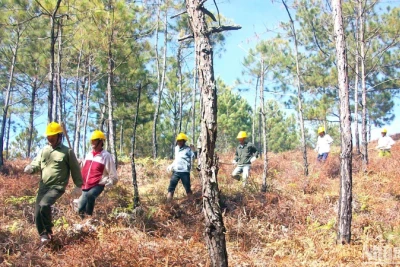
{"type": "Point", "coordinates": [8, 135]}
{"type": "Point", "coordinates": [356, 80]}
{"type": "Point", "coordinates": [264, 129]}
{"type": "Point", "coordinates": [215, 229]}
{"type": "Point", "coordinates": [136, 199]}
{"type": "Point", "coordinates": [364, 140]}
{"type": "Point", "coordinates": [345, 197]}
{"type": "Point", "coordinates": [253, 126]}
{"type": "Point", "coordinates": [179, 70]}
{"type": "Point", "coordinates": [299, 94]}
{"type": "Point", "coordinates": [121, 136]}
{"type": "Point", "coordinates": [86, 115]}
{"type": "Point", "coordinates": [194, 101]}
{"type": "Point", "coordinates": [79, 93]}
{"type": "Point", "coordinates": [110, 81]}
{"type": "Point", "coordinates": [8, 95]}
{"type": "Point", "coordinates": [160, 77]}
{"type": "Point", "coordinates": [59, 85]}
{"type": "Point", "coordinates": [34, 86]}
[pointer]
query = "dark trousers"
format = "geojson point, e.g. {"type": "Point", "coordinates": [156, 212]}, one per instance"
{"type": "Point", "coordinates": [176, 176]}
{"type": "Point", "coordinates": [46, 197]}
{"type": "Point", "coordinates": [88, 199]}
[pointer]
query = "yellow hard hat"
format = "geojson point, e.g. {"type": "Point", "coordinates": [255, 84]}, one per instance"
{"type": "Point", "coordinates": [321, 129]}
{"type": "Point", "coordinates": [384, 130]}
{"type": "Point", "coordinates": [181, 136]}
{"type": "Point", "coordinates": [241, 134]}
{"type": "Point", "coordinates": [53, 128]}
{"type": "Point", "coordinates": [98, 135]}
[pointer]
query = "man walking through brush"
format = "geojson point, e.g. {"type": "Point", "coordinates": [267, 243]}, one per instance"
{"type": "Point", "coordinates": [55, 162]}
{"type": "Point", "coordinates": [98, 172]}
{"type": "Point", "coordinates": [323, 146]}
{"type": "Point", "coordinates": [181, 166]}
{"type": "Point", "coordinates": [246, 153]}
{"type": "Point", "coordinates": [385, 143]}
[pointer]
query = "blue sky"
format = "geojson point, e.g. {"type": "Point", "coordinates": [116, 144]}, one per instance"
{"type": "Point", "coordinates": [258, 18]}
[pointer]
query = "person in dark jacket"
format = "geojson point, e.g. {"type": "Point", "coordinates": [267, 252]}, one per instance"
{"type": "Point", "coordinates": [246, 153]}
{"type": "Point", "coordinates": [98, 172]}
{"type": "Point", "coordinates": [55, 162]}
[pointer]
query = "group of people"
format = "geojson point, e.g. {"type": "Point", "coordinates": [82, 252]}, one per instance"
{"type": "Point", "coordinates": [56, 162]}
{"type": "Point", "coordinates": [246, 153]}
{"type": "Point", "coordinates": [324, 142]}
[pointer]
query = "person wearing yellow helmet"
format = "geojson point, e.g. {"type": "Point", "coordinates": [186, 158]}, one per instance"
{"type": "Point", "coordinates": [246, 153]}
{"type": "Point", "coordinates": [55, 162]}
{"type": "Point", "coordinates": [181, 166]}
{"type": "Point", "coordinates": [385, 143]}
{"type": "Point", "coordinates": [323, 146]}
{"type": "Point", "coordinates": [98, 172]}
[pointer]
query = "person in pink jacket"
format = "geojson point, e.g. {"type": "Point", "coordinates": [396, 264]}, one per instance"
{"type": "Point", "coordinates": [98, 171]}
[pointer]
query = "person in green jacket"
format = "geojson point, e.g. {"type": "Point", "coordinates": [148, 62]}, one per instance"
{"type": "Point", "coordinates": [55, 162]}
{"type": "Point", "coordinates": [246, 153]}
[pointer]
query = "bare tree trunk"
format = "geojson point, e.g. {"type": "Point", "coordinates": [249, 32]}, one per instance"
{"type": "Point", "coordinates": [253, 127]}
{"type": "Point", "coordinates": [345, 198]}
{"type": "Point", "coordinates": [59, 86]}
{"type": "Point", "coordinates": [79, 92]}
{"type": "Point", "coordinates": [364, 140]}
{"type": "Point", "coordinates": [50, 111]}
{"type": "Point", "coordinates": [8, 95]}
{"type": "Point", "coordinates": [160, 78]}
{"type": "Point", "coordinates": [136, 199]}
{"type": "Point", "coordinates": [110, 81]}
{"type": "Point", "coordinates": [264, 128]}
{"type": "Point", "coordinates": [357, 70]}
{"type": "Point", "coordinates": [85, 119]}
{"type": "Point", "coordinates": [8, 135]}
{"type": "Point", "coordinates": [34, 86]}
{"type": "Point", "coordinates": [194, 101]}
{"type": "Point", "coordinates": [299, 94]}
{"type": "Point", "coordinates": [179, 59]}
{"type": "Point", "coordinates": [215, 229]}
{"type": "Point", "coordinates": [121, 136]}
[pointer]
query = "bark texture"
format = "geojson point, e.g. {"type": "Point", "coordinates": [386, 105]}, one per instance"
{"type": "Point", "coordinates": [345, 197]}
{"type": "Point", "coordinates": [215, 229]}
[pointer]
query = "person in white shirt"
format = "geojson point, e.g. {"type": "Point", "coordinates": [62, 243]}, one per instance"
{"type": "Point", "coordinates": [384, 144]}
{"type": "Point", "coordinates": [181, 166]}
{"type": "Point", "coordinates": [323, 146]}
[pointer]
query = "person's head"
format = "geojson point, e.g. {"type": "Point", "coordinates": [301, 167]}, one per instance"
{"type": "Point", "coordinates": [181, 139]}
{"type": "Point", "coordinates": [54, 133]}
{"type": "Point", "coordinates": [241, 137]}
{"type": "Point", "coordinates": [321, 131]}
{"type": "Point", "coordinates": [97, 140]}
{"type": "Point", "coordinates": [384, 132]}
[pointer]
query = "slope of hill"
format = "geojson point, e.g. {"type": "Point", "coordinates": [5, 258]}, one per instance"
{"type": "Point", "coordinates": [294, 224]}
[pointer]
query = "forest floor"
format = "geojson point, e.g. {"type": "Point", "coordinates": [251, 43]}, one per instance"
{"type": "Point", "coordinates": [293, 224]}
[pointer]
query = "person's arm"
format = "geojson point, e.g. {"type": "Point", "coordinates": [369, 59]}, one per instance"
{"type": "Point", "coordinates": [112, 171]}
{"type": "Point", "coordinates": [75, 169]}
{"type": "Point", "coordinates": [330, 140]}
{"type": "Point", "coordinates": [35, 164]}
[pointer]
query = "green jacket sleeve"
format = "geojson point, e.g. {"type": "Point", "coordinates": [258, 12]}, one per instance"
{"type": "Point", "coordinates": [36, 162]}
{"type": "Point", "coordinates": [75, 169]}
{"type": "Point", "coordinates": [254, 151]}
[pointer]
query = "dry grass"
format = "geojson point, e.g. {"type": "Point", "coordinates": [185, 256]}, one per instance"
{"type": "Point", "coordinates": [294, 224]}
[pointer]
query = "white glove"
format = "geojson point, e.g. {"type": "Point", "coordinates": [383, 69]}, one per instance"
{"type": "Point", "coordinates": [234, 162]}
{"type": "Point", "coordinates": [253, 159]}
{"type": "Point", "coordinates": [170, 167]}
{"type": "Point", "coordinates": [28, 169]}
{"type": "Point", "coordinates": [109, 184]}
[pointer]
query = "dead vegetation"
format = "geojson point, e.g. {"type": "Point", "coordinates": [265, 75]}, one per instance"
{"type": "Point", "coordinates": [291, 225]}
